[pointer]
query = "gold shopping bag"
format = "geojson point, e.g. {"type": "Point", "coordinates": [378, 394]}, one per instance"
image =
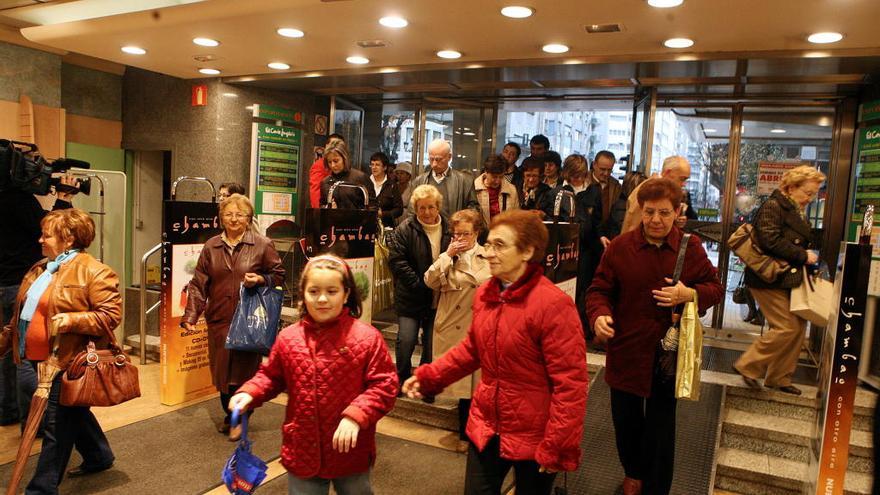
{"type": "Point", "coordinates": [690, 353]}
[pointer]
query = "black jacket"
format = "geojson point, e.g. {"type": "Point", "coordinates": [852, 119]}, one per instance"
{"type": "Point", "coordinates": [516, 178]}
{"type": "Point", "coordinates": [534, 202]}
{"type": "Point", "coordinates": [389, 201]}
{"type": "Point", "coordinates": [784, 234]}
{"type": "Point", "coordinates": [349, 197]}
{"type": "Point", "coordinates": [409, 257]}
{"type": "Point", "coordinates": [20, 227]}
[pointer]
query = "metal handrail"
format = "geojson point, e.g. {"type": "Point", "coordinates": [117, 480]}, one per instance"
{"type": "Point", "coordinates": [189, 178]}
{"type": "Point", "coordinates": [143, 295]}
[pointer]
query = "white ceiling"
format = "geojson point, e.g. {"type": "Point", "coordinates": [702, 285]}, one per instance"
{"type": "Point", "coordinates": [246, 30]}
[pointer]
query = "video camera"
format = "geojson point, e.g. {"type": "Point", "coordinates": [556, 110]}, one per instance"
{"type": "Point", "coordinates": [22, 167]}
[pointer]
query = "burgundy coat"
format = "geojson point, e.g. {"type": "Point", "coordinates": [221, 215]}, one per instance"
{"type": "Point", "coordinates": [338, 369]}
{"type": "Point", "coordinates": [630, 269]}
{"type": "Point", "coordinates": [529, 344]}
{"type": "Point", "coordinates": [213, 291]}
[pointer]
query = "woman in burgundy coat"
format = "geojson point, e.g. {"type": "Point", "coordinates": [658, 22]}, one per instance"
{"type": "Point", "coordinates": [630, 307]}
{"type": "Point", "coordinates": [236, 256]}
{"type": "Point", "coordinates": [528, 409]}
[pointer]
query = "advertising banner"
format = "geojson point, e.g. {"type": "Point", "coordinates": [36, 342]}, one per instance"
{"type": "Point", "coordinates": [275, 159]}
{"type": "Point", "coordinates": [184, 355]}
{"type": "Point", "coordinates": [351, 235]}
{"type": "Point", "coordinates": [561, 259]}
{"type": "Point", "coordinates": [838, 372]}
{"type": "Point", "coordinates": [867, 186]}
{"type": "Point", "coordinates": [770, 175]}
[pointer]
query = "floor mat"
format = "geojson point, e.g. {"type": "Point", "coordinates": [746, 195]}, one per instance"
{"type": "Point", "coordinates": [404, 467]}
{"type": "Point", "coordinates": [600, 472]}
{"type": "Point", "coordinates": [178, 452]}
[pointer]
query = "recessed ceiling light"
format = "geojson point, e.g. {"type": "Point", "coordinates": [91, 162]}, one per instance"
{"type": "Point", "coordinates": [709, 130]}
{"type": "Point", "coordinates": [290, 32]}
{"type": "Point", "coordinates": [555, 48]}
{"type": "Point", "coordinates": [358, 60]}
{"type": "Point", "coordinates": [209, 72]}
{"type": "Point", "coordinates": [448, 54]}
{"type": "Point", "coordinates": [665, 4]}
{"type": "Point", "coordinates": [206, 42]}
{"type": "Point", "coordinates": [777, 131]}
{"type": "Point", "coordinates": [678, 43]}
{"type": "Point", "coordinates": [133, 50]}
{"type": "Point", "coordinates": [517, 12]}
{"type": "Point", "coordinates": [278, 66]}
{"type": "Point", "coordinates": [394, 22]}
{"type": "Point", "coordinates": [827, 37]}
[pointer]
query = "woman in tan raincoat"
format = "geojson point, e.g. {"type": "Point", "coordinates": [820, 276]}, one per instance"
{"type": "Point", "coordinates": [456, 274]}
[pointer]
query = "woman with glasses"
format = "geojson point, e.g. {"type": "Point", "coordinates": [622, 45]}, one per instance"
{"type": "Point", "coordinates": [782, 231]}
{"type": "Point", "coordinates": [237, 256]}
{"type": "Point", "coordinates": [456, 274]}
{"type": "Point", "coordinates": [528, 408]}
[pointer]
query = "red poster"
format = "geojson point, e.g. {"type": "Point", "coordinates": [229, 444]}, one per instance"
{"type": "Point", "coordinates": [200, 95]}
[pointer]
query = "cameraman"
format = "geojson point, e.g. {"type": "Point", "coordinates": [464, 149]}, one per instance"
{"type": "Point", "coordinates": [20, 216]}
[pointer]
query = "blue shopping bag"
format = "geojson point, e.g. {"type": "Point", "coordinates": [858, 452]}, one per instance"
{"type": "Point", "coordinates": [244, 471]}
{"type": "Point", "coordinates": [255, 321]}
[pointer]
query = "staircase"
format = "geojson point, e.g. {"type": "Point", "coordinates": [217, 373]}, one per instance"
{"type": "Point", "coordinates": [765, 443]}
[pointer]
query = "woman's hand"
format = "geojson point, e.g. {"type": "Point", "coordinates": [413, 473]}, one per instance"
{"type": "Point", "coordinates": [346, 435]}
{"type": "Point", "coordinates": [252, 279]}
{"type": "Point", "coordinates": [812, 257]}
{"type": "Point", "coordinates": [603, 328]}
{"type": "Point", "coordinates": [673, 295]}
{"type": "Point", "coordinates": [240, 401]}
{"type": "Point", "coordinates": [455, 247]}
{"type": "Point", "coordinates": [542, 469]}
{"type": "Point", "coordinates": [189, 327]}
{"type": "Point", "coordinates": [60, 323]}
{"type": "Point", "coordinates": [411, 388]}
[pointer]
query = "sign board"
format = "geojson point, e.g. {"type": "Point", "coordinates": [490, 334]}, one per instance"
{"type": "Point", "coordinates": [869, 110]}
{"type": "Point", "coordinates": [351, 235]}
{"type": "Point", "coordinates": [770, 175]}
{"type": "Point", "coordinates": [200, 95]}
{"type": "Point", "coordinates": [278, 114]}
{"type": "Point", "coordinates": [838, 372]}
{"type": "Point", "coordinates": [867, 186]}
{"type": "Point", "coordinates": [562, 255]}
{"type": "Point", "coordinates": [184, 366]}
{"type": "Point", "coordinates": [321, 125]}
{"type": "Point", "coordinates": [275, 158]}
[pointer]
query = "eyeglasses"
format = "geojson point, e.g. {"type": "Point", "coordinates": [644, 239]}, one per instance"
{"type": "Point", "coordinates": [497, 246]}
{"type": "Point", "coordinates": [664, 214]}
{"type": "Point", "coordinates": [237, 216]}
{"type": "Point", "coordinates": [462, 234]}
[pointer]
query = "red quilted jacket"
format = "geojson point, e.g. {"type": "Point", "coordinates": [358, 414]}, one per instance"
{"type": "Point", "coordinates": [529, 344]}
{"type": "Point", "coordinates": [338, 369]}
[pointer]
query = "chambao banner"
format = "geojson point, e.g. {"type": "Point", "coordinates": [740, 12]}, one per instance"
{"type": "Point", "coordinates": [351, 235]}
{"type": "Point", "coordinates": [561, 258]}
{"type": "Point", "coordinates": [184, 355]}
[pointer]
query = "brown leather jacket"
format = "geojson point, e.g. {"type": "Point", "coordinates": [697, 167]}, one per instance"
{"type": "Point", "coordinates": [84, 288]}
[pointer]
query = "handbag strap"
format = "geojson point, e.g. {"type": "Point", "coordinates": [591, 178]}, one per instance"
{"type": "Point", "coordinates": [679, 261]}
{"type": "Point", "coordinates": [238, 416]}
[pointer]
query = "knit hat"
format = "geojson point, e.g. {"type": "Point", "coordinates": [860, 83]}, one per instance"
{"type": "Point", "coordinates": [405, 167]}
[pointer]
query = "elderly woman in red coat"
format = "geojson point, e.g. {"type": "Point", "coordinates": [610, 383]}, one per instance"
{"type": "Point", "coordinates": [526, 338]}
{"type": "Point", "coordinates": [630, 307]}
{"type": "Point", "coordinates": [236, 256]}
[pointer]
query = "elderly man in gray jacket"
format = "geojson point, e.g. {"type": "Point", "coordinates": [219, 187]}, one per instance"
{"type": "Point", "coordinates": [456, 187]}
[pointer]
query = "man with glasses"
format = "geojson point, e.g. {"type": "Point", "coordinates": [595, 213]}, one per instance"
{"type": "Point", "coordinates": [456, 187]}
{"type": "Point", "coordinates": [675, 168]}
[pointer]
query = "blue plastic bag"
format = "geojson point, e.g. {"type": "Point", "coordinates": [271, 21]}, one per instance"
{"type": "Point", "coordinates": [255, 321]}
{"type": "Point", "coordinates": [244, 471]}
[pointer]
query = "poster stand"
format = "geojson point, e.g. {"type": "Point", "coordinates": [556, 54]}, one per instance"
{"type": "Point", "coordinates": [563, 246]}
{"type": "Point", "coordinates": [184, 366]}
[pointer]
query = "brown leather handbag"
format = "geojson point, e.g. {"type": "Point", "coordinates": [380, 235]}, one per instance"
{"type": "Point", "coordinates": [743, 243]}
{"type": "Point", "coordinates": [100, 378]}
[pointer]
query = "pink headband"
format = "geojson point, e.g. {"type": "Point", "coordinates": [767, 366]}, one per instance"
{"type": "Point", "coordinates": [332, 259]}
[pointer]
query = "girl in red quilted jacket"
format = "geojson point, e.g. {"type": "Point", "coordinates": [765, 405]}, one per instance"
{"type": "Point", "coordinates": [340, 381]}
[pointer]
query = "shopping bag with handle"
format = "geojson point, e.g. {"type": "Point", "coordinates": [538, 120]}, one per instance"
{"type": "Point", "coordinates": [244, 471]}
{"type": "Point", "coordinates": [254, 324]}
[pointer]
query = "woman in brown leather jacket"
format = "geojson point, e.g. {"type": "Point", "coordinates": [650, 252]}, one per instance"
{"type": "Point", "coordinates": [65, 300]}
{"type": "Point", "coordinates": [236, 256]}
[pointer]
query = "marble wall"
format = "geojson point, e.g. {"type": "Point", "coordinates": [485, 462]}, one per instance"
{"type": "Point", "coordinates": [91, 93]}
{"type": "Point", "coordinates": [212, 141]}
{"type": "Point", "coordinates": [31, 72]}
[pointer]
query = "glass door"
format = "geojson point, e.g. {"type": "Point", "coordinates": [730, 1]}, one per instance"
{"type": "Point", "coordinates": [464, 127]}
{"type": "Point", "coordinates": [348, 119]}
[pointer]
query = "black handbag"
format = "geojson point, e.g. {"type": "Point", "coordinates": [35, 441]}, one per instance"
{"type": "Point", "coordinates": [740, 294]}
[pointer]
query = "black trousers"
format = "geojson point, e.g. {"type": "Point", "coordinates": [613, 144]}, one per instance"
{"type": "Point", "coordinates": [645, 432]}
{"type": "Point", "coordinates": [486, 471]}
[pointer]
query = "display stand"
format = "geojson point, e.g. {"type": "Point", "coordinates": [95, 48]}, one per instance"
{"type": "Point", "coordinates": [563, 246]}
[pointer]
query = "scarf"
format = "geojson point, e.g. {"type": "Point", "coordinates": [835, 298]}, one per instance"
{"type": "Point", "coordinates": [35, 293]}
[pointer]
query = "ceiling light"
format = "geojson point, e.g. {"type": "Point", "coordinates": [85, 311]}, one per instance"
{"type": "Point", "coordinates": [709, 130]}
{"type": "Point", "coordinates": [448, 54]}
{"type": "Point", "coordinates": [777, 131]}
{"type": "Point", "coordinates": [209, 72]}
{"type": "Point", "coordinates": [206, 42]}
{"type": "Point", "coordinates": [290, 33]}
{"type": "Point", "coordinates": [278, 66]}
{"type": "Point", "coordinates": [678, 43]}
{"type": "Point", "coordinates": [555, 48]}
{"type": "Point", "coordinates": [358, 60]}
{"type": "Point", "coordinates": [517, 12]}
{"type": "Point", "coordinates": [665, 4]}
{"type": "Point", "coordinates": [827, 37]}
{"type": "Point", "coordinates": [133, 50]}
{"type": "Point", "coordinates": [230, 95]}
{"type": "Point", "coordinates": [394, 22]}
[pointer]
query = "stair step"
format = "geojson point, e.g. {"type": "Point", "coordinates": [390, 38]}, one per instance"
{"type": "Point", "coordinates": [787, 438]}
{"type": "Point", "coordinates": [153, 345]}
{"type": "Point", "coordinates": [803, 407]}
{"type": "Point", "coordinates": [741, 471]}
{"type": "Point", "coordinates": [443, 413]}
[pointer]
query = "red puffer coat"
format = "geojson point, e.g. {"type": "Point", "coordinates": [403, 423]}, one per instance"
{"type": "Point", "coordinates": [338, 369]}
{"type": "Point", "coordinates": [529, 344]}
